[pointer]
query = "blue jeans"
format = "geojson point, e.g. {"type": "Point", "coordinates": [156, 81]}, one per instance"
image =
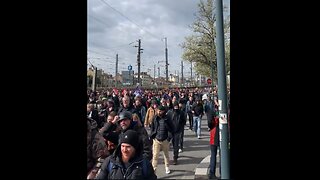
{"type": "Point", "coordinates": [213, 159]}
{"type": "Point", "coordinates": [197, 125]}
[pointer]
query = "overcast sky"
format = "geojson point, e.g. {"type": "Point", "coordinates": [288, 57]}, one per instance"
{"type": "Point", "coordinates": [114, 27]}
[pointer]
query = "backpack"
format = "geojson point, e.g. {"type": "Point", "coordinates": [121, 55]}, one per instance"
{"type": "Point", "coordinates": [144, 167]}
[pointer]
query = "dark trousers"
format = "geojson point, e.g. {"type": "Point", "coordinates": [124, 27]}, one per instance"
{"type": "Point", "coordinates": [190, 115]}
{"type": "Point", "coordinates": [213, 159]}
{"type": "Point", "coordinates": [181, 138]}
{"type": "Point", "coordinates": [175, 144]}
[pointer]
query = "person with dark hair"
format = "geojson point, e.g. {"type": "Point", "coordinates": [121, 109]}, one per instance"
{"type": "Point", "coordinates": [139, 109]}
{"type": "Point", "coordinates": [197, 111]}
{"type": "Point", "coordinates": [189, 111]}
{"type": "Point", "coordinates": [213, 125]}
{"type": "Point", "coordinates": [176, 116]}
{"type": "Point", "coordinates": [151, 112]}
{"type": "Point", "coordinates": [127, 162]}
{"type": "Point", "coordinates": [161, 126]}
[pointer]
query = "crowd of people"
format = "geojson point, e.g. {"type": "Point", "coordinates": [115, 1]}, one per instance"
{"type": "Point", "coordinates": [127, 129]}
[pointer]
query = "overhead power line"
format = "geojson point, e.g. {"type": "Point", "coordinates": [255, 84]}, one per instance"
{"type": "Point", "coordinates": [100, 53]}
{"type": "Point", "coordinates": [156, 37]}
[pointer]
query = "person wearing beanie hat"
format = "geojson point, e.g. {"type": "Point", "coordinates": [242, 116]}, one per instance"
{"type": "Point", "coordinates": [130, 138]}
{"type": "Point", "coordinates": [112, 139]}
{"type": "Point", "coordinates": [127, 162]}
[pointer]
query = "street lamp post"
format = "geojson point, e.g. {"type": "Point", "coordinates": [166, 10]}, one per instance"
{"type": "Point", "coordinates": [222, 93]}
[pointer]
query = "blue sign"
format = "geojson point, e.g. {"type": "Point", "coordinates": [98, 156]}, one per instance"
{"type": "Point", "coordinates": [129, 67]}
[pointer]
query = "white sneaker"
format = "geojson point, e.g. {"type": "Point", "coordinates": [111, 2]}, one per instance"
{"type": "Point", "coordinates": [199, 137]}
{"type": "Point", "coordinates": [180, 150]}
{"type": "Point", "coordinates": [167, 170]}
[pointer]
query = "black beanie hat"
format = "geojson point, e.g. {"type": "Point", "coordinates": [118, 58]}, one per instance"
{"type": "Point", "coordinates": [130, 137]}
{"type": "Point", "coordinates": [112, 136]}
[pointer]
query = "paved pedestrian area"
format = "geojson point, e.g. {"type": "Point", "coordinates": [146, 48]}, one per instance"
{"type": "Point", "coordinates": [194, 152]}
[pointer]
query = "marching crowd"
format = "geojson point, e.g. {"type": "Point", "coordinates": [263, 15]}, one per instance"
{"type": "Point", "coordinates": [127, 129]}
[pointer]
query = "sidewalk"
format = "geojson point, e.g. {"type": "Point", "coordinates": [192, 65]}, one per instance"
{"type": "Point", "coordinates": [202, 170]}
{"type": "Point", "coordinates": [194, 151]}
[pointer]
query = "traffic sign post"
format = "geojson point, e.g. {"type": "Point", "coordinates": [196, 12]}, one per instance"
{"type": "Point", "coordinates": [130, 69]}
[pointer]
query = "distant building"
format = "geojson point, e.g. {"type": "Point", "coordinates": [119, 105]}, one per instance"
{"type": "Point", "coordinates": [146, 79]}
{"type": "Point", "coordinates": [127, 77]}
{"type": "Point", "coordinates": [174, 78]}
{"type": "Point", "coordinates": [102, 79]}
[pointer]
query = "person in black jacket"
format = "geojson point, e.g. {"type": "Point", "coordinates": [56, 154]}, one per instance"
{"type": "Point", "coordinates": [177, 117]}
{"type": "Point", "coordinates": [197, 111]}
{"type": "Point", "coordinates": [127, 161]}
{"type": "Point", "coordinates": [161, 126]}
{"type": "Point", "coordinates": [126, 105]}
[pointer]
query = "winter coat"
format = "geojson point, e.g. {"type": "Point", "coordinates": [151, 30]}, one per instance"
{"type": "Point", "coordinates": [133, 171]}
{"type": "Point", "coordinates": [214, 130]}
{"type": "Point", "coordinates": [149, 116]}
{"type": "Point", "coordinates": [178, 120]}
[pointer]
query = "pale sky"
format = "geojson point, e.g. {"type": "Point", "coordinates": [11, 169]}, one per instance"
{"type": "Point", "coordinates": [114, 26]}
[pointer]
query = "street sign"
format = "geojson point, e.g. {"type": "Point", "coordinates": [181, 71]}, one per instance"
{"type": "Point", "coordinates": [209, 81]}
{"type": "Point", "coordinates": [129, 67]}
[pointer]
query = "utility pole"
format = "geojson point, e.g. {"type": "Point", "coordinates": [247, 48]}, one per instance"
{"type": "Point", "coordinates": [191, 72]}
{"type": "Point", "coordinates": [166, 51]}
{"type": "Point", "coordinates": [159, 72]}
{"type": "Point", "coordinates": [94, 85]}
{"type": "Point", "coordinates": [222, 93]}
{"type": "Point", "coordinates": [181, 72]}
{"type": "Point", "coordinates": [116, 85]}
{"type": "Point", "coordinates": [138, 58]}
{"type": "Point", "coordinates": [178, 76]}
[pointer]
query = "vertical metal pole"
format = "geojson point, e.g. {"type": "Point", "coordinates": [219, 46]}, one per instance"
{"type": "Point", "coordinates": [222, 93]}
{"type": "Point", "coordinates": [182, 81]}
{"type": "Point", "coordinates": [166, 60]}
{"type": "Point", "coordinates": [139, 51]}
{"type": "Point", "coordinates": [116, 71]}
{"type": "Point", "coordinates": [94, 78]}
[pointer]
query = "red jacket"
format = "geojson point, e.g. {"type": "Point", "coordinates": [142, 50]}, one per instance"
{"type": "Point", "coordinates": [214, 131]}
